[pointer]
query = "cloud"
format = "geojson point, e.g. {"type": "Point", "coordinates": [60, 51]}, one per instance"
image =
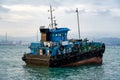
{"type": "Point", "coordinates": [115, 12]}
{"type": "Point", "coordinates": [95, 15]}
{"type": "Point", "coordinates": [27, 2]}
{"type": "Point", "coordinates": [86, 7]}
{"type": "Point", "coordinates": [23, 7]}
{"type": "Point", "coordinates": [3, 9]}
{"type": "Point", "coordinates": [88, 10]}
{"type": "Point", "coordinates": [105, 12]}
{"type": "Point", "coordinates": [23, 12]}
{"type": "Point", "coordinates": [1, 1]}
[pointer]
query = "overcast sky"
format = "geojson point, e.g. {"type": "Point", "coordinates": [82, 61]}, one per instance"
{"type": "Point", "coordinates": [98, 18]}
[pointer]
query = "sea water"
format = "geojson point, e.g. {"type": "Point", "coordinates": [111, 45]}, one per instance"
{"type": "Point", "coordinates": [13, 68]}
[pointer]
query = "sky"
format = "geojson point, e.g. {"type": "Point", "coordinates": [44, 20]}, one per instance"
{"type": "Point", "coordinates": [98, 18]}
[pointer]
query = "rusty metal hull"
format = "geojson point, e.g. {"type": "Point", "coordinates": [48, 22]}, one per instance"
{"type": "Point", "coordinates": [38, 60]}
{"type": "Point", "coordinates": [76, 59]}
{"type": "Point", "coordinates": [94, 60]}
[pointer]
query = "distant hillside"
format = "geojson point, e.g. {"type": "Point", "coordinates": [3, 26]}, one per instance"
{"type": "Point", "coordinates": [24, 40]}
{"type": "Point", "coordinates": [110, 41]}
{"type": "Point", "coordinates": [32, 38]}
{"type": "Point", "coordinates": [107, 41]}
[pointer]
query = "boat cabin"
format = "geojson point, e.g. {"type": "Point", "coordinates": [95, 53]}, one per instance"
{"type": "Point", "coordinates": [50, 38]}
{"type": "Point", "coordinates": [54, 35]}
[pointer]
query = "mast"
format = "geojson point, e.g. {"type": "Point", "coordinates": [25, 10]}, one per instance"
{"type": "Point", "coordinates": [78, 22]}
{"type": "Point", "coordinates": [51, 16]}
{"type": "Point", "coordinates": [37, 36]}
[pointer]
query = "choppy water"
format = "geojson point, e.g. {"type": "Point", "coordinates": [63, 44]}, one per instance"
{"type": "Point", "coordinates": [13, 68]}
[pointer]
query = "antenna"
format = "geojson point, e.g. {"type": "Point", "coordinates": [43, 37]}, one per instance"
{"type": "Point", "coordinates": [37, 36]}
{"type": "Point", "coordinates": [51, 15]}
{"type": "Point", "coordinates": [78, 22]}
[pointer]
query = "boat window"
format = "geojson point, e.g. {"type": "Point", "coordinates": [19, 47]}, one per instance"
{"type": "Point", "coordinates": [53, 35]}
{"type": "Point", "coordinates": [56, 35]}
{"type": "Point", "coordinates": [48, 52]}
{"type": "Point", "coordinates": [59, 34]}
{"type": "Point", "coordinates": [41, 52]}
{"type": "Point", "coordinates": [65, 34]}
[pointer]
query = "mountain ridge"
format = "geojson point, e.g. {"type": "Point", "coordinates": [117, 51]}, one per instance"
{"type": "Point", "coordinates": [106, 40]}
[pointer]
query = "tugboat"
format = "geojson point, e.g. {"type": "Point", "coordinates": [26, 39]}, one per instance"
{"type": "Point", "coordinates": [56, 50]}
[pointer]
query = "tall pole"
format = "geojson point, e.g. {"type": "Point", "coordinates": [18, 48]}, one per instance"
{"type": "Point", "coordinates": [37, 36]}
{"type": "Point", "coordinates": [51, 16]}
{"type": "Point", "coordinates": [78, 22]}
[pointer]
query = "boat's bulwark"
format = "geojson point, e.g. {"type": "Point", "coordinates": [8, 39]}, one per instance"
{"type": "Point", "coordinates": [38, 60]}
{"type": "Point", "coordinates": [64, 60]}
{"type": "Point", "coordinates": [94, 60]}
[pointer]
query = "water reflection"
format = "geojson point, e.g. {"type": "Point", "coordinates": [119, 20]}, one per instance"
{"type": "Point", "coordinates": [83, 72]}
